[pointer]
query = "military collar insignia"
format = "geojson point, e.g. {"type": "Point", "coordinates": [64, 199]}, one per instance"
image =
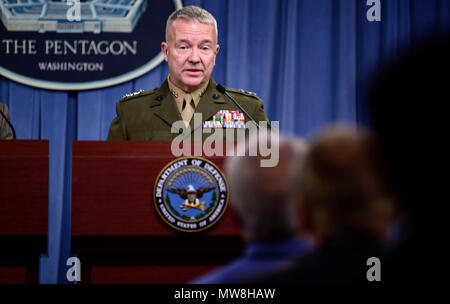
{"type": "Point", "coordinates": [203, 91]}
{"type": "Point", "coordinates": [173, 93]}
{"type": "Point", "coordinates": [176, 94]}
{"type": "Point", "coordinates": [132, 94]}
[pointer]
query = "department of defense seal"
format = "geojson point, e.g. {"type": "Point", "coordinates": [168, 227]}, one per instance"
{"type": "Point", "coordinates": [190, 194]}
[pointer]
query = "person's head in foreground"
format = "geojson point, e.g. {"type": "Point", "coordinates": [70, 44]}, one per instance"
{"type": "Point", "coordinates": [266, 199]}
{"type": "Point", "coordinates": [343, 187]}
{"type": "Point", "coordinates": [408, 102]}
{"type": "Point", "coordinates": [346, 207]}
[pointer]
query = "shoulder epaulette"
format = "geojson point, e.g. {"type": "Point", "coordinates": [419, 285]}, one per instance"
{"type": "Point", "coordinates": [137, 94]}
{"type": "Point", "coordinates": [241, 91]}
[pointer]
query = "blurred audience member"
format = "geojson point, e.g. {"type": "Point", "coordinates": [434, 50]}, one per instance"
{"type": "Point", "coordinates": [346, 208]}
{"type": "Point", "coordinates": [266, 201]}
{"type": "Point", "coordinates": [407, 103]}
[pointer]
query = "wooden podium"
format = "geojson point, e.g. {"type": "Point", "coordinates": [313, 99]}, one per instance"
{"type": "Point", "coordinates": [116, 230]}
{"type": "Point", "coordinates": [24, 209]}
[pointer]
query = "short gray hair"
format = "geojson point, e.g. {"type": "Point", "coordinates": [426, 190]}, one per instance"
{"type": "Point", "coordinates": [192, 13]}
{"type": "Point", "coordinates": [266, 198]}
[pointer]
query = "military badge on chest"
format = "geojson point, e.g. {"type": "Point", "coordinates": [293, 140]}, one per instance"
{"type": "Point", "coordinates": [190, 194]}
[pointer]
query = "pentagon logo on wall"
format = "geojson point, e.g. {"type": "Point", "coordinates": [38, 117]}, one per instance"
{"type": "Point", "coordinates": [79, 45]}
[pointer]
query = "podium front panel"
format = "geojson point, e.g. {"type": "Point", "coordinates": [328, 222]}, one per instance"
{"type": "Point", "coordinates": [116, 229]}
{"type": "Point", "coordinates": [24, 208]}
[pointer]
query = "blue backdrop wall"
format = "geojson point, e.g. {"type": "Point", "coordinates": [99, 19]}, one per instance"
{"type": "Point", "coordinates": [309, 60]}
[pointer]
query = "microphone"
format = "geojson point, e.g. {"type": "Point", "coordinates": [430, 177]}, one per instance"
{"type": "Point", "coordinates": [223, 90]}
{"type": "Point", "coordinates": [9, 123]}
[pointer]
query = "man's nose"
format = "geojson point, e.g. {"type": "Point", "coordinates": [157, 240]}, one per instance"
{"type": "Point", "coordinates": [194, 55]}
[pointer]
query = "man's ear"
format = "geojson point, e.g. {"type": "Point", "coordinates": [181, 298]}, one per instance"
{"type": "Point", "coordinates": [165, 50]}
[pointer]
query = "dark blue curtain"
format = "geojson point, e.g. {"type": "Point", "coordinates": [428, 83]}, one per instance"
{"type": "Point", "coordinates": [309, 60]}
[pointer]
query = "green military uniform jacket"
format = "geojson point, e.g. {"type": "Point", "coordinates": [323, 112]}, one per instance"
{"type": "Point", "coordinates": [149, 115]}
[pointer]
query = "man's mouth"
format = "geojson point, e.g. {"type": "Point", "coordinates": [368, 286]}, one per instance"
{"type": "Point", "coordinates": [193, 72]}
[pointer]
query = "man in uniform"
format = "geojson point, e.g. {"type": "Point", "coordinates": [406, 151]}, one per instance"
{"type": "Point", "coordinates": [190, 50]}
{"type": "Point", "coordinates": [5, 129]}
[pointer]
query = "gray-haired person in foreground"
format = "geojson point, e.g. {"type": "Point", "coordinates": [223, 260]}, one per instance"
{"type": "Point", "coordinates": [347, 207]}
{"type": "Point", "coordinates": [266, 202]}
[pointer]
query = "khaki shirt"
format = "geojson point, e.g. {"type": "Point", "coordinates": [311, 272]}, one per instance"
{"type": "Point", "coordinates": [180, 95]}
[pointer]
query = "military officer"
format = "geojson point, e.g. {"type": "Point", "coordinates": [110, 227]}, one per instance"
{"type": "Point", "coordinates": [190, 50]}
{"type": "Point", "coordinates": [5, 130]}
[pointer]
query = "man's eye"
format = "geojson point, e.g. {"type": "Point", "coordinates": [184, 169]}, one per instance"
{"type": "Point", "coordinates": [205, 48]}
{"type": "Point", "coordinates": [183, 47]}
